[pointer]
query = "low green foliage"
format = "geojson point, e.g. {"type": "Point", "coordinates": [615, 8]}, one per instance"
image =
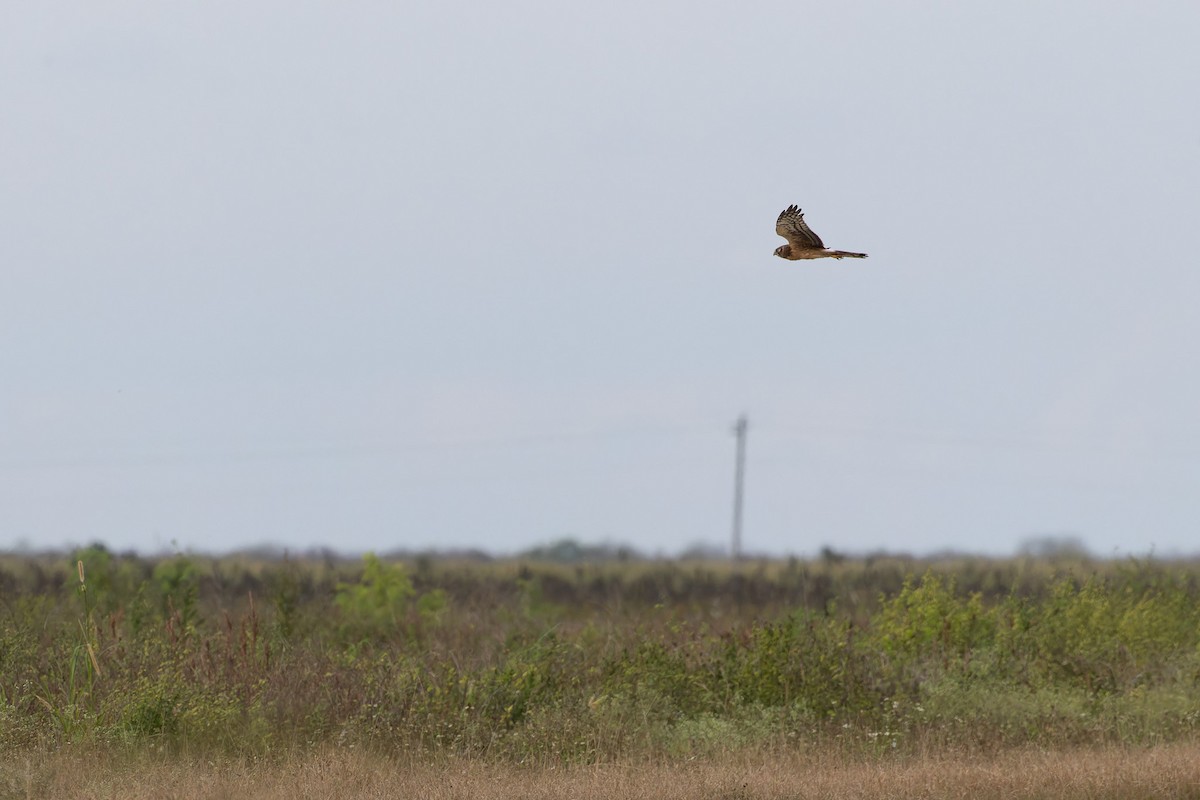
{"type": "Point", "coordinates": [534, 662]}
{"type": "Point", "coordinates": [378, 599]}
{"type": "Point", "coordinates": [178, 582]}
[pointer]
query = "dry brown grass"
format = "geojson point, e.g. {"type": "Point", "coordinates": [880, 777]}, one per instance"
{"type": "Point", "coordinates": [1171, 771]}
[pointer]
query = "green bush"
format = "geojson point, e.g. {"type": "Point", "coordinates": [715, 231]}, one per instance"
{"type": "Point", "coordinates": [378, 601]}
{"type": "Point", "coordinates": [930, 628]}
{"type": "Point", "coordinates": [178, 581]}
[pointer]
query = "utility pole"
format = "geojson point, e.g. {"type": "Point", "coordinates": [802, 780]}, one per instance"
{"type": "Point", "coordinates": [739, 477]}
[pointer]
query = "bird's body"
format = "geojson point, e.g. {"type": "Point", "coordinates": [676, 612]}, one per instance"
{"type": "Point", "coordinates": [802, 242]}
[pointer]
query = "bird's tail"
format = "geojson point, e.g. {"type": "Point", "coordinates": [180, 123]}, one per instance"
{"type": "Point", "coordinates": [846, 254]}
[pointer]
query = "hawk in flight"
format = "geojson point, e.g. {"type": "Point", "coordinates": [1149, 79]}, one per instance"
{"type": "Point", "coordinates": [802, 242]}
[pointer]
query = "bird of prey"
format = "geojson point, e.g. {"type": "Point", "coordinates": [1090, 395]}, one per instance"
{"type": "Point", "coordinates": [802, 242]}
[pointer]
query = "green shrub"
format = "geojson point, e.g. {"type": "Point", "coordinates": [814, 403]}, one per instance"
{"type": "Point", "coordinates": [178, 581]}
{"type": "Point", "coordinates": [379, 599]}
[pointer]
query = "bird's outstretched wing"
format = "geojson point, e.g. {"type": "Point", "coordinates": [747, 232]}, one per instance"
{"type": "Point", "coordinates": [791, 226]}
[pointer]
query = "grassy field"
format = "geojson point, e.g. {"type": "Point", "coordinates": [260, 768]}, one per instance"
{"type": "Point", "coordinates": [576, 672]}
{"type": "Point", "coordinates": [1161, 773]}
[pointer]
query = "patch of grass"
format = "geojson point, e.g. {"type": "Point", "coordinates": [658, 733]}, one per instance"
{"type": "Point", "coordinates": [1170, 772]}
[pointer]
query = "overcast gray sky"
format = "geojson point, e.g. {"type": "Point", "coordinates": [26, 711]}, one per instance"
{"type": "Point", "coordinates": [392, 275]}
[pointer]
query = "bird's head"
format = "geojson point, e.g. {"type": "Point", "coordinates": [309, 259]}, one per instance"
{"type": "Point", "coordinates": [783, 251]}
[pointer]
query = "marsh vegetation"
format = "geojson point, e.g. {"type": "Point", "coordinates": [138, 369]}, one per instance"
{"type": "Point", "coordinates": [530, 663]}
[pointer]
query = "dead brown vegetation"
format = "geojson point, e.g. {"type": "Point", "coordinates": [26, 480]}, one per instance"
{"type": "Point", "coordinates": [1164, 772]}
